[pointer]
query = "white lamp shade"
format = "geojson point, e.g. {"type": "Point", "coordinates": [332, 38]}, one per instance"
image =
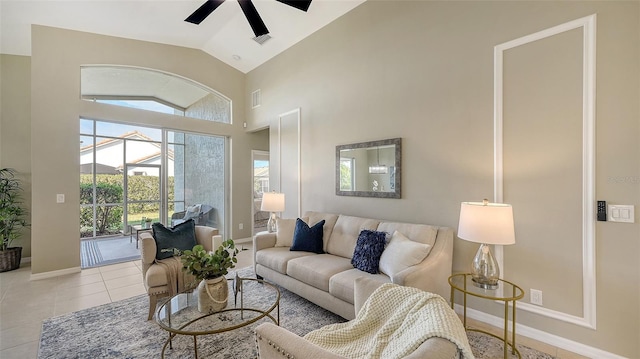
{"type": "Point", "coordinates": [272, 202]}
{"type": "Point", "coordinates": [490, 223]}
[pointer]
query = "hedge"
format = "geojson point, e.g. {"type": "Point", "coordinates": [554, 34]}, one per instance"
{"type": "Point", "coordinates": [109, 189]}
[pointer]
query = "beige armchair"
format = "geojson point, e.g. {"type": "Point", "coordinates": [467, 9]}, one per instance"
{"type": "Point", "coordinates": [154, 274]}
{"type": "Point", "coordinates": [275, 342]}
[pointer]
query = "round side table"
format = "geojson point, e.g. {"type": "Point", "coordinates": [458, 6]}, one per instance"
{"type": "Point", "coordinates": [506, 292]}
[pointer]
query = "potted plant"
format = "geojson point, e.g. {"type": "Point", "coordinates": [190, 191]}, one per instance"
{"type": "Point", "coordinates": [12, 219]}
{"type": "Point", "coordinates": [210, 269]}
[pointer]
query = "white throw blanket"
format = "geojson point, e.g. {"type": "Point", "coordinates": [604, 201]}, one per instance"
{"type": "Point", "coordinates": [393, 323]}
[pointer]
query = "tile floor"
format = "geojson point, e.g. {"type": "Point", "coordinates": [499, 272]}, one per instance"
{"type": "Point", "coordinates": [24, 303]}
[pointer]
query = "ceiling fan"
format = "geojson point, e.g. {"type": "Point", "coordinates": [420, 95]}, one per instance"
{"type": "Point", "coordinates": [250, 12]}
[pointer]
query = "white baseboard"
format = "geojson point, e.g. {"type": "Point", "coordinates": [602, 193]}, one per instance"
{"type": "Point", "coordinates": [24, 260]}
{"type": "Point", "coordinates": [243, 240]}
{"type": "Point", "coordinates": [55, 273]}
{"type": "Point", "coordinates": [539, 335]}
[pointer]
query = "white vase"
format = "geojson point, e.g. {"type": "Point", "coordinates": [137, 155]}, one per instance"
{"type": "Point", "coordinates": [212, 295]}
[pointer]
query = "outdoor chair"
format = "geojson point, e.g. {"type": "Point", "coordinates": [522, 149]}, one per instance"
{"type": "Point", "coordinates": [202, 215]}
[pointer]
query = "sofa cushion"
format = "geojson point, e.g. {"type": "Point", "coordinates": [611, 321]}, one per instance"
{"type": "Point", "coordinates": [421, 233]}
{"type": "Point", "coordinates": [345, 234]}
{"type": "Point", "coordinates": [316, 270]}
{"type": "Point", "coordinates": [277, 258]}
{"type": "Point", "coordinates": [308, 239]}
{"type": "Point", "coordinates": [402, 253]}
{"type": "Point", "coordinates": [285, 228]}
{"type": "Point", "coordinates": [181, 237]}
{"type": "Point", "coordinates": [342, 284]}
{"type": "Point", "coordinates": [329, 221]}
{"type": "Point", "coordinates": [369, 247]}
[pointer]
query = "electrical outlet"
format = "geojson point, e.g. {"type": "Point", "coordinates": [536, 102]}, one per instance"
{"type": "Point", "coordinates": [241, 226]}
{"type": "Point", "coordinates": [59, 198]}
{"type": "Point", "coordinates": [536, 297]}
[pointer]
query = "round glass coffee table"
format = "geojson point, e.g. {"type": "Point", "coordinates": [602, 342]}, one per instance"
{"type": "Point", "coordinates": [257, 300]}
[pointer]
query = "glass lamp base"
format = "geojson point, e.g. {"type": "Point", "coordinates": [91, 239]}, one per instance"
{"type": "Point", "coordinates": [271, 225]}
{"type": "Point", "coordinates": [484, 269]}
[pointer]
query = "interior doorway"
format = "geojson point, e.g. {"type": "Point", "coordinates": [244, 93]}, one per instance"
{"type": "Point", "coordinates": [260, 160]}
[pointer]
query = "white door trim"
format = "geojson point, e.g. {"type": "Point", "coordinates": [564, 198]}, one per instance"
{"type": "Point", "coordinates": [588, 25]}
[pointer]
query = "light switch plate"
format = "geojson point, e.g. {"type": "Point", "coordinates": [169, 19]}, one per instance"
{"type": "Point", "coordinates": [621, 213]}
{"type": "Point", "coordinates": [59, 198]}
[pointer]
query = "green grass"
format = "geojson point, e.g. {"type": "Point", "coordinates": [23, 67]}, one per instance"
{"type": "Point", "coordinates": [135, 218]}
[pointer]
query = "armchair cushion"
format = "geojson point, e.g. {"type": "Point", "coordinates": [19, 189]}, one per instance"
{"type": "Point", "coordinates": [181, 237]}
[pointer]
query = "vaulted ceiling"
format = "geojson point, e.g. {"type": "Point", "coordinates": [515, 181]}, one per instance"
{"type": "Point", "coordinates": [225, 34]}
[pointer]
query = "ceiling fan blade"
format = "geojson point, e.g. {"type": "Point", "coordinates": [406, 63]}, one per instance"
{"type": "Point", "coordinates": [250, 12]}
{"type": "Point", "coordinates": [203, 11]}
{"type": "Point", "coordinates": [298, 4]}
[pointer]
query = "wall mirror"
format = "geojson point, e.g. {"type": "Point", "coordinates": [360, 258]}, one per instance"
{"type": "Point", "coordinates": [369, 169]}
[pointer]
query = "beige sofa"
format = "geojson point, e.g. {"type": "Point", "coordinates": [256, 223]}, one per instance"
{"type": "Point", "coordinates": [275, 342]}
{"type": "Point", "coordinates": [328, 279]}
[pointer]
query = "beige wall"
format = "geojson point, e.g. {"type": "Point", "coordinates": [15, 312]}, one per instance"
{"type": "Point", "coordinates": [423, 71]}
{"type": "Point", "coordinates": [56, 107]}
{"type": "Point", "coordinates": [15, 127]}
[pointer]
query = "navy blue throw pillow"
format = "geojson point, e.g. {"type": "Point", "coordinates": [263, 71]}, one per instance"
{"type": "Point", "coordinates": [369, 248]}
{"type": "Point", "coordinates": [308, 239]}
{"type": "Point", "coordinates": [181, 237]}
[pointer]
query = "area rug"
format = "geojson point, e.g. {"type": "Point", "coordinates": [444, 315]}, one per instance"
{"type": "Point", "coordinates": [120, 330]}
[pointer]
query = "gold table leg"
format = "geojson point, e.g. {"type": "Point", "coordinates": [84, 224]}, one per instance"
{"type": "Point", "coordinates": [513, 329]}
{"type": "Point", "coordinates": [195, 345]}
{"type": "Point", "coordinates": [506, 327]}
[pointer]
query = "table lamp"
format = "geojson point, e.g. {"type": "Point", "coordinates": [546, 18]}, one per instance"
{"type": "Point", "coordinates": [272, 202]}
{"type": "Point", "coordinates": [486, 223]}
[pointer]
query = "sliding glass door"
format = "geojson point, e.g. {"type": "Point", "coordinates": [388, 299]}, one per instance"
{"type": "Point", "coordinates": [130, 172]}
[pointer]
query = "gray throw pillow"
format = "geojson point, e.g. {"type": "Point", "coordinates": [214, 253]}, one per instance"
{"type": "Point", "coordinates": [180, 237]}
